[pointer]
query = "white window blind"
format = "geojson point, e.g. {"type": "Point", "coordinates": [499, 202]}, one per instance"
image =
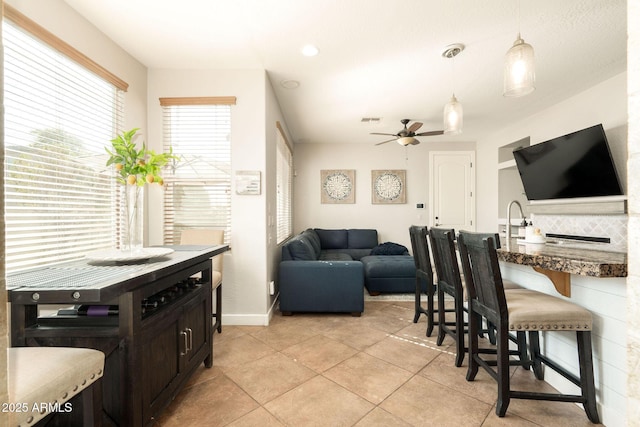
{"type": "Point", "coordinates": [284, 187]}
{"type": "Point", "coordinates": [198, 191]}
{"type": "Point", "coordinates": [59, 197]}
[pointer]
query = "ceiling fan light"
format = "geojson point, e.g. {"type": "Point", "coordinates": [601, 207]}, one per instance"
{"type": "Point", "coordinates": [453, 116]}
{"type": "Point", "coordinates": [519, 69]}
{"type": "Point", "coordinates": [407, 140]}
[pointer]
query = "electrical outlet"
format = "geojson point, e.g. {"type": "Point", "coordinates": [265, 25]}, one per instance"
{"type": "Point", "coordinates": [272, 288]}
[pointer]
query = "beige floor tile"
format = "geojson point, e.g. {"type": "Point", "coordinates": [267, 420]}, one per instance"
{"type": "Point", "coordinates": [259, 417]}
{"type": "Point", "coordinates": [422, 402]}
{"type": "Point", "coordinates": [368, 376]}
{"type": "Point", "coordinates": [381, 418]}
{"type": "Point", "coordinates": [239, 350]}
{"type": "Point", "coordinates": [404, 353]}
{"type": "Point", "coordinates": [319, 402]}
{"type": "Point", "coordinates": [263, 379]}
{"type": "Point", "coordinates": [320, 352]}
{"type": "Point", "coordinates": [284, 334]}
{"type": "Point", "coordinates": [359, 337]}
{"type": "Point", "coordinates": [212, 403]}
{"type": "Point", "coordinates": [389, 321]}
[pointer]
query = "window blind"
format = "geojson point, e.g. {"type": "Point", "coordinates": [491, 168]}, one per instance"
{"type": "Point", "coordinates": [59, 197]}
{"type": "Point", "coordinates": [284, 187]}
{"type": "Point", "coordinates": [198, 189]}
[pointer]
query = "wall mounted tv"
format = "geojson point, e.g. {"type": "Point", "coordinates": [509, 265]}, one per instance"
{"type": "Point", "coordinates": [578, 164]}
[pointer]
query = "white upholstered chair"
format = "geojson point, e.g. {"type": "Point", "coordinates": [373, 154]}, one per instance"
{"type": "Point", "coordinates": [209, 236]}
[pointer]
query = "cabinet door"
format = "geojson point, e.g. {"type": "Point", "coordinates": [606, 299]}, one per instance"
{"type": "Point", "coordinates": [161, 346]}
{"type": "Point", "coordinates": [197, 322]}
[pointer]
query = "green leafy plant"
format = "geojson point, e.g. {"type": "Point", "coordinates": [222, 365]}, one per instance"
{"type": "Point", "coordinates": [133, 165]}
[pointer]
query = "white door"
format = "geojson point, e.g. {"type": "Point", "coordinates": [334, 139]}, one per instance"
{"type": "Point", "coordinates": [452, 189]}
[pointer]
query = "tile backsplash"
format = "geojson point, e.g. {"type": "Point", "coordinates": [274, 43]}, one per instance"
{"type": "Point", "coordinates": [613, 227]}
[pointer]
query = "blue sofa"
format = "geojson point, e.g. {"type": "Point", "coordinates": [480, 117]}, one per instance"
{"type": "Point", "coordinates": [325, 270]}
{"type": "Point", "coordinates": [320, 271]}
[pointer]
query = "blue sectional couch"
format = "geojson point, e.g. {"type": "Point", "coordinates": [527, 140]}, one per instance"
{"type": "Point", "coordinates": [320, 271]}
{"type": "Point", "coordinates": [326, 271]}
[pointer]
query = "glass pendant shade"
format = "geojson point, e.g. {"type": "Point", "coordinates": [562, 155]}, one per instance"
{"type": "Point", "coordinates": [453, 117]}
{"type": "Point", "coordinates": [519, 69]}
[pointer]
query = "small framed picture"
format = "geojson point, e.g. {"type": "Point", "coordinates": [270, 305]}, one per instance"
{"type": "Point", "coordinates": [248, 183]}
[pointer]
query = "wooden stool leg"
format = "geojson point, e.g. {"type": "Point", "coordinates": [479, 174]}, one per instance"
{"type": "Point", "coordinates": [587, 383]}
{"type": "Point", "coordinates": [504, 398]}
{"type": "Point", "coordinates": [472, 369]}
{"type": "Point", "coordinates": [459, 332]}
{"type": "Point", "coordinates": [521, 341]}
{"type": "Point", "coordinates": [430, 292]}
{"type": "Point", "coordinates": [441, 317]}
{"type": "Point", "coordinates": [418, 303]}
{"type": "Point", "coordinates": [534, 343]}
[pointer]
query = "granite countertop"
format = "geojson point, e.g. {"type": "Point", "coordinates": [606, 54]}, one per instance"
{"type": "Point", "coordinates": [563, 258]}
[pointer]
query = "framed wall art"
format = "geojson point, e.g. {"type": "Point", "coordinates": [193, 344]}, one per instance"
{"type": "Point", "coordinates": [388, 186]}
{"type": "Point", "coordinates": [337, 186]}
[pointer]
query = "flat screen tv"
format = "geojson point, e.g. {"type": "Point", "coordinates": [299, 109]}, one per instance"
{"type": "Point", "coordinates": [578, 164]}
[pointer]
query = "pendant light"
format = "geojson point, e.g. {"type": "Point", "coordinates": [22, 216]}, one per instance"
{"type": "Point", "coordinates": [453, 109]}
{"type": "Point", "coordinates": [519, 67]}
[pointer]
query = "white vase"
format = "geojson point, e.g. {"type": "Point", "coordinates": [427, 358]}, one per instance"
{"type": "Point", "coordinates": [132, 214]}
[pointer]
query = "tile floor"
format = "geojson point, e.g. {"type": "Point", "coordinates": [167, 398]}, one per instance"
{"type": "Point", "coordinates": [336, 370]}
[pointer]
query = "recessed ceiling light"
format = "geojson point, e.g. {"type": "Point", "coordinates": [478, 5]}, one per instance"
{"type": "Point", "coordinates": [290, 84]}
{"type": "Point", "coordinates": [310, 50]}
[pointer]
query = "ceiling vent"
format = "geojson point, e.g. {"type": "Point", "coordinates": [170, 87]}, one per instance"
{"type": "Point", "coordinates": [372, 120]}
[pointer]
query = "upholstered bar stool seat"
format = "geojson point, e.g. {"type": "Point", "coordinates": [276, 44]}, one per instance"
{"type": "Point", "coordinates": [43, 379]}
{"type": "Point", "coordinates": [535, 311]}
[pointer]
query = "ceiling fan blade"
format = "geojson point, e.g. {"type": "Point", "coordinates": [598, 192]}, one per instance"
{"type": "Point", "coordinates": [378, 133]}
{"type": "Point", "coordinates": [415, 126]}
{"type": "Point", "coordinates": [384, 142]}
{"type": "Point", "coordinates": [430, 133]}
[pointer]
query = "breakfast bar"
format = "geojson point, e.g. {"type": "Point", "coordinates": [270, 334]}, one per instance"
{"type": "Point", "coordinates": [558, 261]}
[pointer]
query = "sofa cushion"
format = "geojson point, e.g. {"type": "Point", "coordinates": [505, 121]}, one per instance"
{"type": "Point", "coordinates": [362, 238]}
{"type": "Point", "coordinates": [335, 255]}
{"type": "Point", "coordinates": [314, 240]}
{"type": "Point", "coordinates": [332, 239]}
{"type": "Point", "coordinates": [389, 248]}
{"type": "Point", "coordinates": [300, 249]}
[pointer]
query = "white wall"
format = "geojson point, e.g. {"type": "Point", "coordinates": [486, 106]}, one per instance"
{"type": "Point", "coordinates": [604, 103]}
{"type": "Point", "coordinates": [392, 221]}
{"type": "Point", "coordinates": [605, 298]}
{"type": "Point", "coordinates": [249, 266]}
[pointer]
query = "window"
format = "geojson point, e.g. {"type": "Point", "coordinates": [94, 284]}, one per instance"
{"type": "Point", "coordinates": [61, 109]}
{"type": "Point", "coordinates": [198, 191]}
{"type": "Point", "coordinates": [284, 178]}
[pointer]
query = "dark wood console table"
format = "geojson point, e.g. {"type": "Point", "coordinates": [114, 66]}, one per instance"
{"type": "Point", "coordinates": [158, 332]}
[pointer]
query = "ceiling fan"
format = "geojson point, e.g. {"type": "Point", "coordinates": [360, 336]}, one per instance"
{"type": "Point", "coordinates": [407, 136]}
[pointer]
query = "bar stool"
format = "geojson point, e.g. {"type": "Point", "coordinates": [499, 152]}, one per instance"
{"type": "Point", "coordinates": [424, 273]}
{"type": "Point", "coordinates": [450, 282]}
{"type": "Point", "coordinates": [41, 380]}
{"type": "Point", "coordinates": [521, 310]}
{"type": "Point", "coordinates": [209, 236]}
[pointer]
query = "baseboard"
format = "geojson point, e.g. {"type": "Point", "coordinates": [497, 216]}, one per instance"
{"type": "Point", "coordinates": [251, 319]}
{"type": "Point", "coordinates": [245, 319]}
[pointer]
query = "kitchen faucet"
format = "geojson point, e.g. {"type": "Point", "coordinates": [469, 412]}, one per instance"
{"type": "Point", "coordinates": [524, 222]}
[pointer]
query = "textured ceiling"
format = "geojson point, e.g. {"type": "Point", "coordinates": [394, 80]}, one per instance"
{"type": "Point", "coordinates": [378, 58]}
